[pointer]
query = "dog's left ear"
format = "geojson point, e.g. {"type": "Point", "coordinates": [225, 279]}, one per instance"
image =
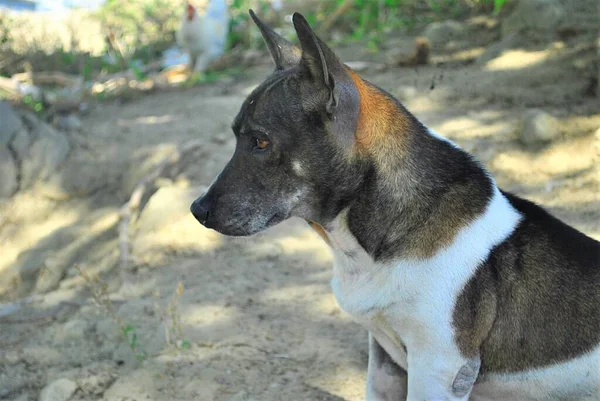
{"type": "Point", "coordinates": [319, 60]}
{"type": "Point", "coordinates": [284, 53]}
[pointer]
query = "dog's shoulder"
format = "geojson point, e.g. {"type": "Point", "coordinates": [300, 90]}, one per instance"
{"type": "Point", "coordinates": [543, 278]}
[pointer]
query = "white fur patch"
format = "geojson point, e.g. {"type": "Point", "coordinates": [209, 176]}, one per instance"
{"type": "Point", "coordinates": [410, 302]}
{"type": "Point", "coordinates": [297, 167]}
{"type": "Point", "coordinates": [442, 138]}
{"type": "Point", "coordinates": [574, 380]}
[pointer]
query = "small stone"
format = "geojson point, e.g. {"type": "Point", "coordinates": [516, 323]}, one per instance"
{"type": "Point", "coordinates": [406, 92]}
{"type": "Point", "coordinates": [41, 356]}
{"type": "Point", "coordinates": [59, 390]}
{"type": "Point", "coordinates": [96, 383]}
{"type": "Point", "coordinates": [440, 33]}
{"type": "Point", "coordinates": [139, 384]}
{"type": "Point", "coordinates": [534, 17]}
{"type": "Point", "coordinates": [221, 138]}
{"type": "Point", "coordinates": [75, 329]}
{"type": "Point", "coordinates": [538, 127]}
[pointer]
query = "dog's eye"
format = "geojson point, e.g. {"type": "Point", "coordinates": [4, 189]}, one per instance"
{"type": "Point", "coordinates": [261, 144]}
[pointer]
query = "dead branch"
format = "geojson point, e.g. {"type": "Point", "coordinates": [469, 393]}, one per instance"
{"type": "Point", "coordinates": [333, 17]}
{"type": "Point", "coordinates": [133, 204]}
{"type": "Point", "coordinates": [10, 86]}
{"type": "Point", "coordinates": [49, 78]}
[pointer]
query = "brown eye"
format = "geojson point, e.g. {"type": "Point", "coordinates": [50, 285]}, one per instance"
{"type": "Point", "coordinates": [261, 144]}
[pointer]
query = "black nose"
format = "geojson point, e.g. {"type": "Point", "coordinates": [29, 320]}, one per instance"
{"type": "Point", "coordinates": [199, 209]}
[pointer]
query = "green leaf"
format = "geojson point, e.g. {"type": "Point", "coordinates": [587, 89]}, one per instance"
{"type": "Point", "coordinates": [498, 4]}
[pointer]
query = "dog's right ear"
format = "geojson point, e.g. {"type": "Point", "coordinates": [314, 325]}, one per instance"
{"type": "Point", "coordinates": [284, 53]}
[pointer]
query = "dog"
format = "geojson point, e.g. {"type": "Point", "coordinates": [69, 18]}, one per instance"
{"type": "Point", "coordinates": [468, 292]}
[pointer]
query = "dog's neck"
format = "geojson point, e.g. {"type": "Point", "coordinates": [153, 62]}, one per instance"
{"type": "Point", "coordinates": [415, 190]}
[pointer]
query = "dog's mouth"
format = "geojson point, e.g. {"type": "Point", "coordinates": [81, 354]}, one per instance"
{"type": "Point", "coordinates": [276, 219]}
{"type": "Point", "coordinates": [235, 229]}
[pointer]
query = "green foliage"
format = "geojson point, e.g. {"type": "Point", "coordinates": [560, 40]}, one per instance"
{"type": "Point", "coordinates": [239, 23]}
{"type": "Point", "coordinates": [366, 19]}
{"type": "Point", "coordinates": [498, 4]}
{"type": "Point", "coordinates": [131, 336]}
{"type": "Point", "coordinates": [33, 104]}
{"type": "Point", "coordinates": [141, 28]}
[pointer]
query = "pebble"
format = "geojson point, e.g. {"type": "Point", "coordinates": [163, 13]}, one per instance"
{"type": "Point", "coordinates": [538, 127]}
{"type": "Point", "coordinates": [59, 390]}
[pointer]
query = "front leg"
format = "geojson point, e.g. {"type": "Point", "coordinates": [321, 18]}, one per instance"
{"type": "Point", "coordinates": [386, 381]}
{"type": "Point", "coordinates": [440, 375]}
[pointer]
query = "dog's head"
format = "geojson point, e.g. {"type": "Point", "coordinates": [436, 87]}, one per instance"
{"type": "Point", "coordinates": [295, 135]}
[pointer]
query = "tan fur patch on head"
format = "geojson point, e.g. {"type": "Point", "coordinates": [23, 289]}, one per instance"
{"type": "Point", "coordinates": [380, 123]}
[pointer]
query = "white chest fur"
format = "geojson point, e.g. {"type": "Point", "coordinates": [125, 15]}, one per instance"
{"type": "Point", "coordinates": [409, 303]}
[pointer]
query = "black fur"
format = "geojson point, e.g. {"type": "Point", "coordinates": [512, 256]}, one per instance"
{"type": "Point", "coordinates": [538, 294]}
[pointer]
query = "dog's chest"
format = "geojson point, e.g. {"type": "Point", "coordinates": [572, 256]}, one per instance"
{"type": "Point", "coordinates": [409, 303]}
{"type": "Point", "coordinates": [399, 302]}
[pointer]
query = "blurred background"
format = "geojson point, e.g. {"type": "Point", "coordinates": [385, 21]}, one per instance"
{"type": "Point", "coordinates": [115, 115]}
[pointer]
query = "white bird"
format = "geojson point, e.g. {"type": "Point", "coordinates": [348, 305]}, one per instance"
{"type": "Point", "coordinates": [203, 33]}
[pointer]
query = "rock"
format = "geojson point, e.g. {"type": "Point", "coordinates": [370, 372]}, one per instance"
{"type": "Point", "coordinates": [20, 143]}
{"type": "Point", "coordinates": [59, 390]}
{"type": "Point", "coordinates": [42, 356]}
{"type": "Point", "coordinates": [138, 385]}
{"type": "Point", "coordinates": [45, 155]}
{"type": "Point", "coordinates": [538, 127]}
{"type": "Point", "coordinates": [166, 225]}
{"type": "Point", "coordinates": [497, 48]}
{"type": "Point", "coordinates": [8, 173]}
{"type": "Point", "coordinates": [202, 389]}
{"type": "Point", "coordinates": [11, 122]}
{"type": "Point", "coordinates": [406, 92]}
{"type": "Point", "coordinates": [537, 17]}
{"type": "Point", "coordinates": [68, 123]}
{"type": "Point", "coordinates": [108, 330]}
{"type": "Point", "coordinates": [95, 380]}
{"type": "Point", "coordinates": [20, 278]}
{"type": "Point", "coordinates": [39, 262]}
{"type": "Point", "coordinates": [74, 330]}
{"type": "Point", "coordinates": [80, 176]}
{"type": "Point", "coordinates": [440, 33]}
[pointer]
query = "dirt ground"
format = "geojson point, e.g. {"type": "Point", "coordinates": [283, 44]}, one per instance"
{"type": "Point", "coordinates": [203, 317]}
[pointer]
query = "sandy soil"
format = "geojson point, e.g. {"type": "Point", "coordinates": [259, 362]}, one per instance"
{"type": "Point", "coordinates": [254, 319]}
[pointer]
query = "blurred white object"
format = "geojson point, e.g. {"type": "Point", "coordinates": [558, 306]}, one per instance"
{"type": "Point", "coordinates": [203, 33]}
{"type": "Point", "coordinates": [174, 56]}
{"type": "Point", "coordinates": [277, 5]}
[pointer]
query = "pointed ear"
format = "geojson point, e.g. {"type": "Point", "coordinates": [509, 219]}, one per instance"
{"type": "Point", "coordinates": [318, 59]}
{"type": "Point", "coordinates": [284, 53]}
